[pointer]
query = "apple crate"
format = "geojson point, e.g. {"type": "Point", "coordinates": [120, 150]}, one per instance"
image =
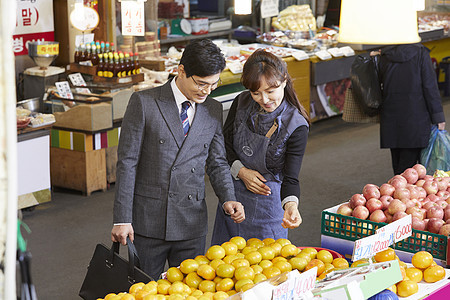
{"type": "Point", "coordinates": [352, 229]}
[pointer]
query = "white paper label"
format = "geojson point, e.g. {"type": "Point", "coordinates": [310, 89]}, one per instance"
{"type": "Point", "coordinates": [78, 80]}
{"type": "Point", "coordinates": [64, 89]}
{"type": "Point", "coordinates": [133, 18]}
{"type": "Point", "coordinates": [269, 8]}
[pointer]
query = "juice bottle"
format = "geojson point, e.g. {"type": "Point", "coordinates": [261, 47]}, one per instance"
{"type": "Point", "coordinates": [111, 64]}
{"type": "Point", "coordinates": [116, 70]}
{"type": "Point", "coordinates": [127, 64]}
{"type": "Point", "coordinates": [123, 71]}
{"type": "Point", "coordinates": [100, 65]}
{"type": "Point", "coordinates": [131, 70]}
{"type": "Point", "coordinates": [137, 66]}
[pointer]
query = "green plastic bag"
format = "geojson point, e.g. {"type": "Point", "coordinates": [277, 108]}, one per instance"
{"type": "Point", "coordinates": [437, 155]}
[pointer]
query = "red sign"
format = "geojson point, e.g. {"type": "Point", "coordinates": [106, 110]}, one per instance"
{"type": "Point", "coordinates": [20, 42]}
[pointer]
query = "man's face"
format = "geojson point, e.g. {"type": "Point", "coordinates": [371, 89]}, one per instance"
{"type": "Point", "coordinates": [196, 88]}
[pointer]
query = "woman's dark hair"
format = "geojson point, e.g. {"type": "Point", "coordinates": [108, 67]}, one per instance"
{"type": "Point", "coordinates": [202, 58]}
{"type": "Point", "coordinates": [264, 64]}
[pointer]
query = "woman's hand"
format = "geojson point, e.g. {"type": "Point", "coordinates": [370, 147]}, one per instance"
{"type": "Point", "coordinates": [254, 181]}
{"type": "Point", "coordinates": [292, 218]}
{"type": "Point", "coordinates": [441, 126]}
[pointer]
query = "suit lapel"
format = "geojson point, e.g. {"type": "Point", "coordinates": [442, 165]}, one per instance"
{"type": "Point", "coordinates": [169, 111]}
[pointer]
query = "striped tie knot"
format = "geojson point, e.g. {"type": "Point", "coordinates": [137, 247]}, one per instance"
{"type": "Point", "coordinates": [184, 117]}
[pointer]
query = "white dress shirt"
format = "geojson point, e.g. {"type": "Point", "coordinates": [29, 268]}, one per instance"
{"type": "Point", "coordinates": [180, 98]}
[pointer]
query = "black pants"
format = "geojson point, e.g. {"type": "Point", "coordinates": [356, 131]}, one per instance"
{"type": "Point", "coordinates": [153, 253]}
{"type": "Point", "coordinates": [404, 158]}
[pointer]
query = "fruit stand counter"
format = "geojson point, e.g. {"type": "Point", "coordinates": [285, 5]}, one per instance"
{"type": "Point", "coordinates": [33, 166]}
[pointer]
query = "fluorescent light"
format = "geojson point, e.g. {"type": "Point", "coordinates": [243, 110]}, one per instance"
{"type": "Point", "coordinates": [242, 7]}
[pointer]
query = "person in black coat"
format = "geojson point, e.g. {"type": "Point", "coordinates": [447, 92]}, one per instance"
{"type": "Point", "coordinates": [411, 102]}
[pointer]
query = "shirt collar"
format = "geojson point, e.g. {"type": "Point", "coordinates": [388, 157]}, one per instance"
{"type": "Point", "coordinates": [179, 97]}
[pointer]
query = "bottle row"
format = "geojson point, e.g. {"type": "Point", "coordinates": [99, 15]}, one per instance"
{"type": "Point", "coordinates": [118, 64]}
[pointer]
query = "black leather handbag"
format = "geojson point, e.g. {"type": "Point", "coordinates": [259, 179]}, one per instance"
{"type": "Point", "coordinates": [108, 272]}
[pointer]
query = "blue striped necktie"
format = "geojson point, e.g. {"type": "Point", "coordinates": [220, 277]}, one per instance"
{"type": "Point", "coordinates": [184, 117]}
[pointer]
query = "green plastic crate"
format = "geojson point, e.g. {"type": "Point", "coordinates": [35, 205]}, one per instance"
{"type": "Point", "coordinates": [352, 229]}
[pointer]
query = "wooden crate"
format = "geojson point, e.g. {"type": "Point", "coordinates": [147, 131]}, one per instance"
{"type": "Point", "coordinates": [81, 171]}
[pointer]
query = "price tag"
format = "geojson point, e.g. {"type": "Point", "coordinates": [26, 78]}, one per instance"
{"type": "Point", "coordinates": [84, 38]}
{"type": "Point", "coordinates": [64, 89]}
{"type": "Point", "coordinates": [400, 229]}
{"type": "Point", "coordinates": [78, 80]}
{"type": "Point", "coordinates": [51, 49]}
{"type": "Point", "coordinates": [133, 18]}
{"type": "Point", "coordinates": [296, 285]}
{"type": "Point", "coordinates": [363, 247]}
{"type": "Point", "coordinates": [305, 282]}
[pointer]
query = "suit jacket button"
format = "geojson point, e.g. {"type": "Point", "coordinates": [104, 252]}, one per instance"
{"type": "Point", "coordinates": [174, 168]}
{"type": "Point", "coordinates": [190, 197]}
{"type": "Point", "coordinates": [161, 141]}
{"type": "Point", "coordinates": [193, 170]}
{"type": "Point", "coordinates": [170, 195]}
{"type": "Point", "coordinates": [205, 145]}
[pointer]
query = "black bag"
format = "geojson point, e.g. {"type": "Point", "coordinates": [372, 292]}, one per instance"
{"type": "Point", "coordinates": [366, 85]}
{"type": "Point", "coordinates": [108, 272]}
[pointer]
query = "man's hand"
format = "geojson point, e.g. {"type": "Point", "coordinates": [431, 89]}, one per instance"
{"type": "Point", "coordinates": [119, 233]}
{"type": "Point", "coordinates": [441, 126]}
{"type": "Point", "coordinates": [254, 181]}
{"type": "Point", "coordinates": [235, 210]}
{"type": "Point", "coordinates": [292, 218]}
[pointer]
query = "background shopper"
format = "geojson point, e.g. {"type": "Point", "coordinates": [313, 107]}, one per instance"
{"type": "Point", "coordinates": [266, 133]}
{"type": "Point", "coordinates": [411, 102]}
{"type": "Point", "coordinates": [169, 135]}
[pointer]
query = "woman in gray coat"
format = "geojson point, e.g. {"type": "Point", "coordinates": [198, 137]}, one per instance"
{"type": "Point", "coordinates": [411, 103]}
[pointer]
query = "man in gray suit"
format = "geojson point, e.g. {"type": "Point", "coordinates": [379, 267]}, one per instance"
{"type": "Point", "coordinates": [170, 136]}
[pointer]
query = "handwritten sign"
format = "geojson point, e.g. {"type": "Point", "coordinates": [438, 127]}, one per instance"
{"type": "Point", "coordinates": [383, 238]}
{"type": "Point", "coordinates": [64, 89]}
{"type": "Point", "coordinates": [296, 285]}
{"type": "Point", "coordinates": [269, 8]}
{"type": "Point", "coordinates": [51, 49]}
{"type": "Point", "coordinates": [133, 18]}
{"type": "Point", "coordinates": [78, 80]}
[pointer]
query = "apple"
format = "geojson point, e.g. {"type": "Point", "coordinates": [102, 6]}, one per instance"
{"type": "Point", "coordinates": [445, 230]}
{"type": "Point", "coordinates": [442, 203]}
{"type": "Point", "coordinates": [417, 223]}
{"type": "Point", "coordinates": [399, 177]}
{"type": "Point", "coordinates": [398, 215]}
{"type": "Point", "coordinates": [420, 182]}
{"type": "Point", "coordinates": [433, 198]}
{"type": "Point", "coordinates": [442, 183]}
{"type": "Point", "coordinates": [428, 177]}
{"type": "Point", "coordinates": [388, 216]}
{"type": "Point", "coordinates": [386, 189]}
{"type": "Point", "coordinates": [415, 212]}
{"type": "Point", "coordinates": [360, 212]}
{"type": "Point", "coordinates": [385, 200]}
{"type": "Point", "coordinates": [413, 191]}
{"type": "Point", "coordinates": [430, 187]}
{"type": "Point", "coordinates": [373, 204]}
{"type": "Point", "coordinates": [396, 205]}
{"type": "Point", "coordinates": [411, 175]}
{"type": "Point", "coordinates": [426, 223]}
{"type": "Point", "coordinates": [429, 204]}
{"type": "Point", "coordinates": [434, 225]}
{"type": "Point", "coordinates": [408, 203]}
{"type": "Point", "coordinates": [402, 193]}
{"type": "Point", "coordinates": [371, 191]}
{"type": "Point", "coordinates": [378, 216]}
{"type": "Point", "coordinates": [357, 200]}
{"type": "Point", "coordinates": [421, 170]}
{"type": "Point", "coordinates": [435, 212]}
{"type": "Point", "coordinates": [417, 203]}
{"type": "Point", "coordinates": [422, 192]}
{"type": "Point", "coordinates": [443, 194]}
{"type": "Point", "coordinates": [345, 209]}
{"type": "Point", "coordinates": [398, 183]}
{"type": "Point", "coordinates": [447, 213]}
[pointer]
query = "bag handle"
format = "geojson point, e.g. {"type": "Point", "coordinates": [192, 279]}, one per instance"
{"type": "Point", "coordinates": [133, 258]}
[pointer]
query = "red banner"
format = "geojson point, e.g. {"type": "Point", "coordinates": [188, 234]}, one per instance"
{"type": "Point", "coordinates": [20, 41]}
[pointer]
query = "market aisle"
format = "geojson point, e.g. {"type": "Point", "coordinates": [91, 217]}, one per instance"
{"type": "Point", "coordinates": [340, 159]}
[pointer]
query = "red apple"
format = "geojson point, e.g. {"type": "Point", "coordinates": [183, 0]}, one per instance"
{"type": "Point", "coordinates": [413, 192]}
{"type": "Point", "coordinates": [420, 182]}
{"type": "Point", "coordinates": [388, 216]}
{"type": "Point", "coordinates": [399, 177]}
{"type": "Point", "coordinates": [371, 191]}
{"type": "Point", "coordinates": [433, 198]}
{"type": "Point", "coordinates": [378, 216]}
{"type": "Point", "coordinates": [428, 177]}
{"type": "Point", "coordinates": [373, 204]}
{"type": "Point", "coordinates": [421, 170]}
{"type": "Point", "coordinates": [435, 212]}
{"type": "Point", "coordinates": [357, 200]}
{"type": "Point", "coordinates": [345, 209]}
{"type": "Point", "coordinates": [411, 175]}
{"type": "Point", "coordinates": [430, 187]}
{"type": "Point", "coordinates": [447, 213]}
{"type": "Point", "coordinates": [386, 200]}
{"type": "Point", "coordinates": [434, 225]}
{"type": "Point", "coordinates": [398, 215]}
{"type": "Point", "coordinates": [442, 203]}
{"type": "Point", "coordinates": [429, 204]}
{"type": "Point", "coordinates": [398, 183]}
{"type": "Point", "coordinates": [360, 212]}
{"type": "Point", "coordinates": [417, 223]}
{"type": "Point", "coordinates": [422, 192]}
{"type": "Point", "coordinates": [445, 230]}
{"type": "Point", "coordinates": [417, 203]}
{"type": "Point", "coordinates": [396, 206]}
{"type": "Point", "coordinates": [408, 203]}
{"type": "Point", "coordinates": [443, 194]}
{"type": "Point", "coordinates": [386, 189]}
{"type": "Point", "coordinates": [442, 183]}
{"type": "Point", "coordinates": [402, 193]}
{"type": "Point", "coordinates": [426, 223]}
{"type": "Point", "coordinates": [415, 212]}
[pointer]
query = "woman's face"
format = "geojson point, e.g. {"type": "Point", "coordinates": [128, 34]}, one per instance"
{"type": "Point", "coordinates": [269, 97]}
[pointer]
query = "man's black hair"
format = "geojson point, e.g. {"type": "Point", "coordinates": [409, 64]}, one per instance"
{"type": "Point", "coordinates": [202, 58]}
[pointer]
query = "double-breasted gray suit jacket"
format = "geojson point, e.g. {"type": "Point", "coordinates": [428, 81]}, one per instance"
{"type": "Point", "coordinates": [160, 184]}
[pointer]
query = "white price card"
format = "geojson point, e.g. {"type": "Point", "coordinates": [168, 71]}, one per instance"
{"type": "Point", "coordinates": [64, 89]}
{"type": "Point", "coordinates": [78, 80]}
{"type": "Point", "coordinates": [133, 18]}
{"type": "Point", "coordinates": [269, 8]}
{"type": "Point", "coordinates": [296, 285]}
{"type": "Point", "coordinates": [84, 38]}
{"type": "Point", "coordinates": [399, 230]}
{"type": "Point", "coordinates": [363, 247]}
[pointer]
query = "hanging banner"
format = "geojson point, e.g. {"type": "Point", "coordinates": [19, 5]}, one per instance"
{"type": "Point", "coordinates": [269, 8]}
{"type": "Point", "coordinates": [133, 18]}
{"type": "Point", "coordinates": [34, 22]}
